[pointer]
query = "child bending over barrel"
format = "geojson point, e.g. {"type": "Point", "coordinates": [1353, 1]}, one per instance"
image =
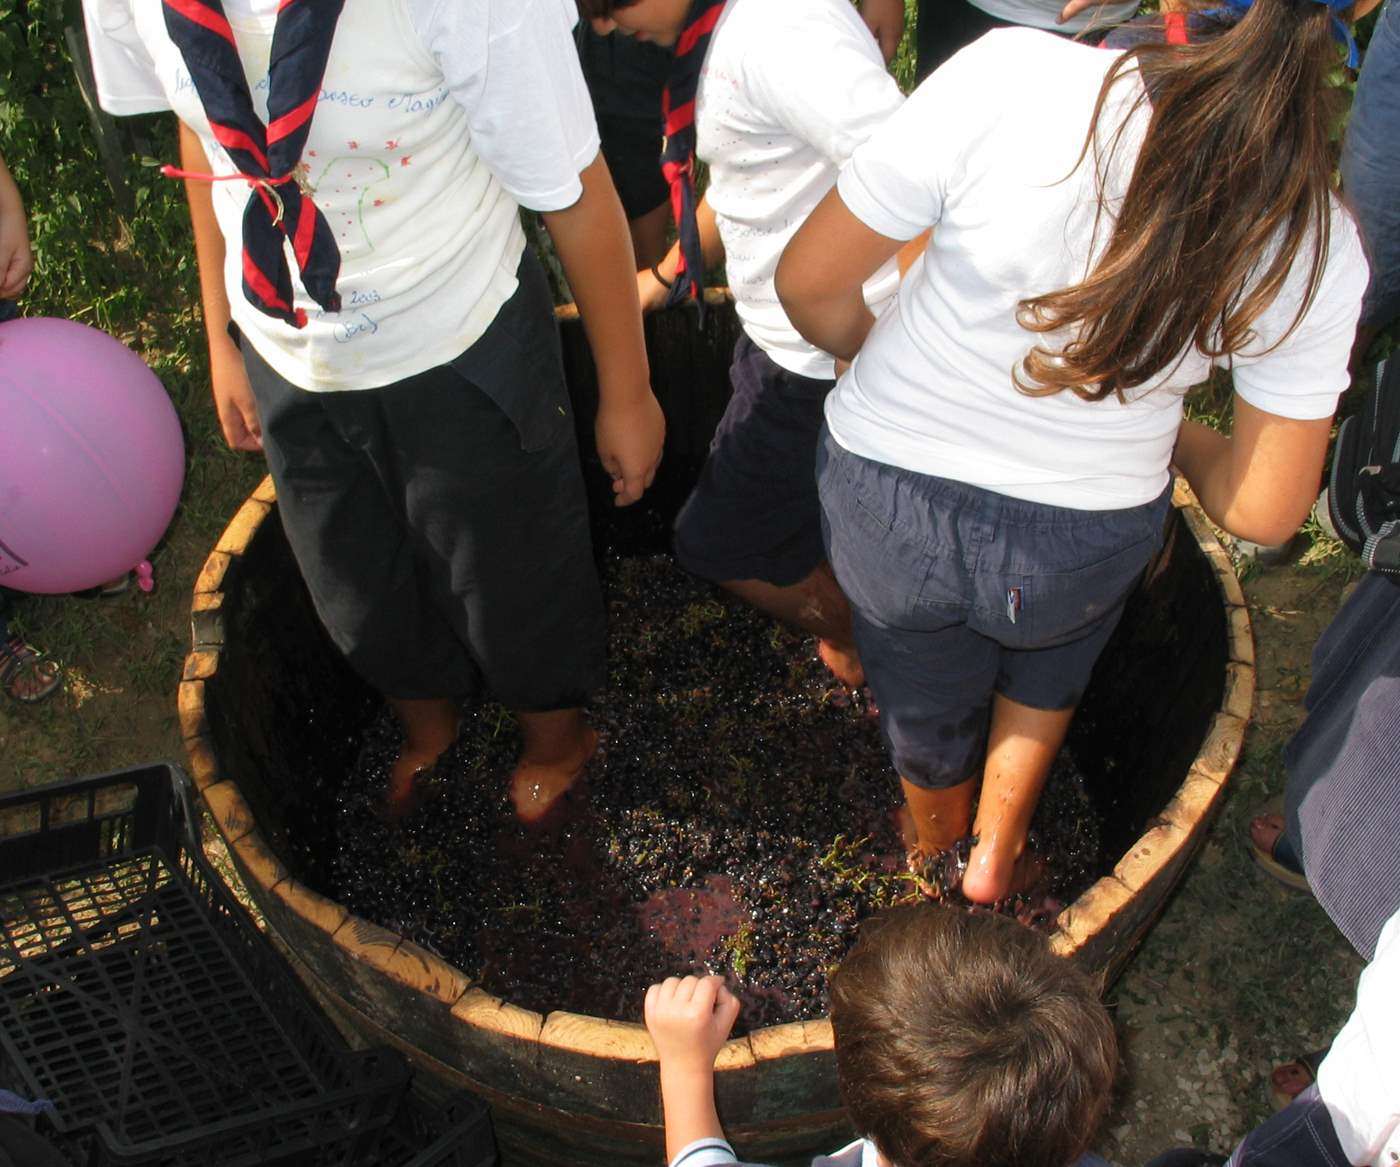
{"type": "Point", "coordinates": [995, 469]}
{"type": "Point", "coordinates": [961, 1040]}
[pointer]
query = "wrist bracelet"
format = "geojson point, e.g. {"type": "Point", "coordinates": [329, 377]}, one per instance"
{"type": "Point", "coordinates": [660, 279]}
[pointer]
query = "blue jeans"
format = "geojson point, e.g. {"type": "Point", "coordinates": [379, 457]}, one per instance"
{"type": "Point", "coordinates": [1371, 167]}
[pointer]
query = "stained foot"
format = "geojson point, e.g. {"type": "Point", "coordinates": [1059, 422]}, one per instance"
{"type": "Point", "coordinates": [939, 876]}
{"type": "Point", "coordinates": [996, 874]}
{"type": "Point", "coordinates": [1264, 831]}
{"type": "Point", "coordinates": [843, 662]}
{"type": "Point", "coordinates": [403, 796]}
{"type": "Point", "coordinates": [1290, 1079]}
{"type": "Point", "coordinates": [537, 786]}
{"type": "Point", "coordinates": [404, 793]}
{"type": "Point", "coordinates": [862, 700]}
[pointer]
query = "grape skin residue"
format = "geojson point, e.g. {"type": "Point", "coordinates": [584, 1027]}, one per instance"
{"type": "Point", "coordinates": [739, 819]}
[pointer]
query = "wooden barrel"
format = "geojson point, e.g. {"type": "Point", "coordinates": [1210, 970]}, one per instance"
{"type": "Point", "coordinates": [271, 714]}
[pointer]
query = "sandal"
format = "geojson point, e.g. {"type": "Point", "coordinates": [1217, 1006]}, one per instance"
{"type": "Point", "coordinates": [26, 674]}
{"type": "Point", "coordinates": [1279, 861]}
{"type": "Point", "coordinates": [1291, 1078]}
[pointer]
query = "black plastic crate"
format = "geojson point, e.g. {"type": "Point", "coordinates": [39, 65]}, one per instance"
{"type": "Point", "coordinates": [139, 997]}
{"type": "Point", "coordinates": [455, 1134]}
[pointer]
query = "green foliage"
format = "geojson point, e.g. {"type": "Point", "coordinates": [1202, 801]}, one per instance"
{"type": "Point", "coordinates": [92, 263]}
{"type": "Point", "coordinates": [903, 64]}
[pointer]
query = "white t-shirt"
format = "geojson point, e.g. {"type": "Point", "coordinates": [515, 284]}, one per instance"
{"type": "Point", "coordinates": [715, 1152]}
{"type": "Point", "coordinates": [787, 91]}
{"type": "Point", "coordinates": [436, 121]}
{"type": "Point", "coordinates": [980, 152]}
{"type": "Point", "coordinates": [1359, 1080]}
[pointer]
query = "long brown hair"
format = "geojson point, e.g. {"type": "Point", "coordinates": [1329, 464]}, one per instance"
{"type": "Point", "coordinates": [1230, 189]}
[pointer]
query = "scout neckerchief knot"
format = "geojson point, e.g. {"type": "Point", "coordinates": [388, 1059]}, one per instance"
{"type": "Point", "coordinates": [1340, 30]}
{"type": "Point", "coordinates": [678, 156]}
{"type": "Point", "coordinates": [267, 155]}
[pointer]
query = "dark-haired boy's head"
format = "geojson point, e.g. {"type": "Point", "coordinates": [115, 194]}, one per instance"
{"type": "Point", "coordinates": [962, 1041]}
{"type": "Point", "coordinates": [658, 21]}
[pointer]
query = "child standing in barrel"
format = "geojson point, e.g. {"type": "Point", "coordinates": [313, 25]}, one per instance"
{"type": "Point", "coordinates": [774, 97]}
{"type": "Point", "coordinates": [995, 472]}
{"type": "Point", "coordinates": [378, 328]}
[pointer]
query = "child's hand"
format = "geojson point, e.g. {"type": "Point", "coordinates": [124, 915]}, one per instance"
{"type": "Point", "coordinates": [630, 432]}
{"type": "Point", "coordinates": [689, 1019]}
{"type": "Point", "coordinates": [16, 258]}
{"type": "Point", "coordinates": [233, 397]}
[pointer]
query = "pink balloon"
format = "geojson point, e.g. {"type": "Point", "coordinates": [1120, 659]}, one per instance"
{"type": "Point", "coordinates": [91, 457]}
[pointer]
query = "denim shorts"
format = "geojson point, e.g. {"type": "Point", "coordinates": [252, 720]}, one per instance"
{"type": "Point", "coordinates": [754, 513]}
{"type": "Point", "coordinates": [959, 593]}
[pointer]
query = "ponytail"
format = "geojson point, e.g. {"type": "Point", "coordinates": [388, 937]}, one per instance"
{"type": "Point", "coordinates": [1230, 189]}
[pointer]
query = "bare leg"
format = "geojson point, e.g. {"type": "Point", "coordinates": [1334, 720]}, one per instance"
{"type": "Point", "coordinates": [649, 235]}
{"type": "Point", "coordinates": [817, 605]}
{"type": "Point", "coordinates": [558, 745]}
{"type": "Point", "coordinates": [1020, 751]}
{"type": "Point", "coordinates": [430, 727]}
{"type": "Point", "coordinates": [939, 818]}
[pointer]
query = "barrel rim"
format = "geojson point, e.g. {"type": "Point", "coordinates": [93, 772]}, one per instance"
{"type": "Point", "coordinates": [1171, 837]}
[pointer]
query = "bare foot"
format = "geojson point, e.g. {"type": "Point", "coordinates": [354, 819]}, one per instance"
{"type": "Point", "coordinates": [1264, 831]}
{"type": "Point", "coordinates": [861, 700]}
{"type": "Point", "coordinates": [537, 785]}
{"type": "Point", "coordinates": [994, 874]}
{"type": "Point", "coordinates": [1290, 1079]}
{"type": "Point", "coordinates": [939, 876]}
{"type": "Point", "coordinates": [430, 728]}
{"type": "Point", "coordinates": [403, 795]}
{"type": "Point", "coordinates": [843, 662]}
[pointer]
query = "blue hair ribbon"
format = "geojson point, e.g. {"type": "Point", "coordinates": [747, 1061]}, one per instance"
{"type": "Point", "coordinates": [1340, 29]}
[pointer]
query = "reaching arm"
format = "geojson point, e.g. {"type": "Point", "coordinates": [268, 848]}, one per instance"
{"type": "Point", "coordinates": [16, 257]}
{"type": "Point", "coordinates": [652, 292]}
{"type": "Point", "coordinates": [233, 396]}
{"type": "Point", "coordinates": [689, 1020]}
{"type": "Point", "coordinates": [822, 273]}
{"type": "Point", "coordinates": [595, 249]}
{"type": "Point", "coordinates": [1259, 482]}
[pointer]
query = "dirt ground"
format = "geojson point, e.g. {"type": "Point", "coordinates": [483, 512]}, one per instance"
{"type": "Point", "coordinates": [1238, 974]}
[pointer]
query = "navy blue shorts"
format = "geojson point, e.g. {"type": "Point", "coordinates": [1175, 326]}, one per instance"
{"type": "Point", "coordinates": [959, 593]}
{"type": "Point", "coordinates": [754, 514]}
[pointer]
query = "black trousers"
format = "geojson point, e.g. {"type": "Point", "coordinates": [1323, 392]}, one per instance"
{"type": "Point", "coordinates": [440, 522]}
